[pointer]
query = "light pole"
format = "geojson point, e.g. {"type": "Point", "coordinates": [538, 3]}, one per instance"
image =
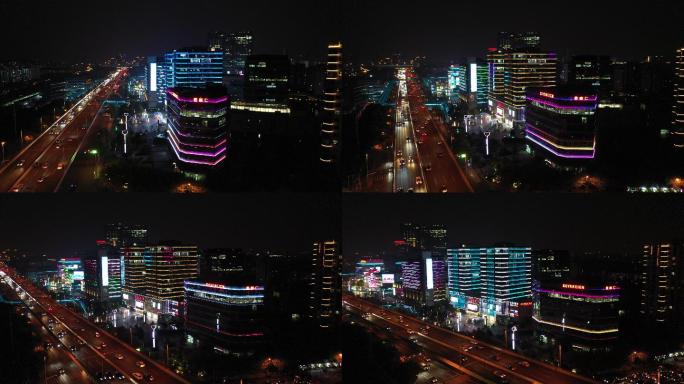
{"type": "Point", "coordinates": [513, 329]}
{"type": "Point", "coordinates": [125, 132]}
{"type": "Point", "coordinates": [486, 135]}
{"type": "Point", "coordinates": [3, 151]}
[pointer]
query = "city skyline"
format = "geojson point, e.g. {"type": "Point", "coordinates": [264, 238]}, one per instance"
{"type": "Point", "coordinates": [608, 223]}
{"type": "Point", "coordinates": [283, 223]}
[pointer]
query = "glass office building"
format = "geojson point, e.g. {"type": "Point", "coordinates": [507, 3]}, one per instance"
{"type": "Point", "coordinates": [492, 281]}
{"type": "Point", "coordinates": [184, 68]}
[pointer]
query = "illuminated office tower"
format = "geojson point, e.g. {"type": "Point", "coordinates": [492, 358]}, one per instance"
{"type": "Point", "coordinates": [325, 298]}
{"type": "Point", "coordinates": [455, 79]}
{"type": "Point", "coordinates": [267, 79]}
{"type": "Point", "coordinates": [518, 41]}
{"type": "Point", "coordinates": [102, 274]}
{"type": "Point", "coordinates": [473, 84]}
{"type": "Point", "coordinates": [678, 108]}
{"type": "Point", "coordinates": [592, 71]}
{"type": "Point", "coordinates": [661, 284]}
{"type": "Point", "coordinates": [198, 124]}
{"type": "Point", "coordinates": [561, 122]}
{"type": "Point", "coordinates": [230, 315]}
{"type": "Point", "coordinates": [121, 235]}
{"type": "Point", "coordinates": [587, 313]}
{"type": "Point", "coordinates": [513, 67]}
{"type": "Point", "coordinates": [424, 281]}
{"type": "Point", "coordinates": [193, 67]}
{"type": "Point", "coordinates": [332, 106]}
{"type": "Point", "coordinates": [492, 281]}
{"type": "Point", "coordinates": [134, 275]}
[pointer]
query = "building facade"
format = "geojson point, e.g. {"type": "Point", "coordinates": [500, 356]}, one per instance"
{"type": "Point", "coordinates": [678, 108]}
{"type": "Point", "coordinates": [491, 281]}
{"type": "Point", "coordinates": [198, 125]}
{"type": "Point", "coordinates": [661, 284]}
{"type": "Point", "coordinates": [332, 108]}
{"type": "Point", "coordinates": [561, 122]}
{"type": "Point", "coordinates": [230, 316]}
{"type": "Point", "coordinates": [585, 314]}
{"type": "Point", "coordinates": [325, 293]}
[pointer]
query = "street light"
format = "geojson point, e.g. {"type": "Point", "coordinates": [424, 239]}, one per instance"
{"type": "Point", "coordinates": [487, 134]}
{"type": "Point", "coordinates": [125, 132]}
{"type": "Point", "coordinates": [3, 150]}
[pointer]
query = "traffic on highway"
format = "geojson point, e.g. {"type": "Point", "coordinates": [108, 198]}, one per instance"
{"type": "Point", "coordinates": [41, 166]}
{"type": "Point", "coordinates": [483, 361]}
{"type": "Point", "coordinates": [78, 350]}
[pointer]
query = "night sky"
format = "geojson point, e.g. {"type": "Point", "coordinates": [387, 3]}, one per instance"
{"type": "Point", "coordinates": [62, 224]}
{"type": "Point", "coordinates": [448, 29]}
{"type": "Point", "coordinates": [442, 29]}
{"type": "Point", "coordinates": [73, 30]}
{"type": "Point", "coordinates": [575, 222]}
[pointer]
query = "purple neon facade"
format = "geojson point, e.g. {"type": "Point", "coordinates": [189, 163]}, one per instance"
{"type": "Point", "coordinates": [198, 118]}
{"type": "Point", "coordinates": [561, 121]}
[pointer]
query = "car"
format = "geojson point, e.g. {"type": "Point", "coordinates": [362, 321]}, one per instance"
{"type": "Point", "coordinates": [60, 166]}
{"type": "Point", "coordinates": [496, 357]}
{"type": "Point", "coordinates": [428, 168]}
{"type": "Point", "coordinates": [137, 375]}
{"type": "Point", "coordinates": [444, 189]}
{"type": "Point", "coordinates": [419, 180]}
{"type": "Point", "coordinates": [42, 179]}
{"type": "Point", "coordinates": [103, 345]}
{"type": "Point", "coordinates": [524, 364]}
{"type": "Point", "coordinates": [140, 364]}
{"type": "Point", "coordinates": [18, 188]}
{"type": "Point", "coordinates": [21, 163]}
{"type": "Point", "coordinates": [61, 371]}
{"type": "Point", "coordinates": [97, 334]}
{"type": "Point", "coordinates": [408, 139]}
{"type": "Point", "coordinates": [402, 162]}
{"type": "Point", "coordinates": [149, 378]}
{"type": "Point", "coordinates": [73, 348]}
{"type": "Point", "coordinates": [119, 356]}
{"type": "Point", "coordinates": [120, 376]}
{"type": "Point", "coordinates": [434, 380]}
{"type": "Point", "coordinates": [45, 165]}
{"type": "Point", "coordinates": [439, 142]}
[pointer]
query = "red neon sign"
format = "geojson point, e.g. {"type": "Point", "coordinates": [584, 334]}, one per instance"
{"type": "Point", "coordinates": [573, 286]}
{"type": "Point", "coordinates": [549, 95]}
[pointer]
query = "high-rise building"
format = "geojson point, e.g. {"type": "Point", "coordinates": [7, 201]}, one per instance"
{"type": "Point", "coordinates": [424, 281]}
{"type": "Point", "coordinates": [550, 265]}
{"type": "Point", "coordinates": [585, 313]}
{"type": "Point", "coordinates": [431, 238]}
{"type": "Point", "coordinates": [198, 124]}
{"type": "Point", "coordinates": [121, 235]}
{"type": "Point", "coordinates": [155, 275]}
{"type": "Point", "coordinates": [561, 122]}
{"type": "Point", "coordinates": [511, 71]}
{"type": "Point", "coordinates": [332, 108]}
{"type": "Point", "coordinates": [518, 41]}
{"type": "Point", "coordinates": [194, 67]}
{"type": "Point", "coordinates": [325, 291]}
{"type": "Point", "coordinates": [678, 108]}
{"type": "Point", "coordinates": [102, 274]}
{"type": "Point", "coordinates": [267, 79]}
{"type": "Point", "coordinates": [492, 281]}
{"type": "Point", "coordinates": [661, 284]}
{"type": "Point", "coordinates": [231, 316]}
{"type": "Point", "coordinates": [471, 82]}
{"type": "Point", "coordinates": [590, 71]}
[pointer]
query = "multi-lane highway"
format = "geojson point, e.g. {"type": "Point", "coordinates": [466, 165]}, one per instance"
{"type": "Point", "coordinates": [97, 351]}
{"type": "Point", "coordinates": [442, 173]}
{"type": "Point", "coordinates": [488, 363]}
{"type": "Point", "coordinates": [408, 174]}
{"type": "Point", "coordinates": [42, 164]}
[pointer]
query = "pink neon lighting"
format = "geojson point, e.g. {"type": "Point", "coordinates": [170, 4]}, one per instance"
{"type": "Point", "coordinates": [579, 294]}
{"type": "Point", "coordinates": [559, 154]}
{"type": "Point", "coordinates": [196, 153]}
{"type": "Point", "coordinates": [199, 162]}
{"type": "Point", "coordinates": [541, 134]}
{"type": "Point", "coordinates": [220, 143]}
{"type": "Point", "coordinates": [574, 98]}
{"type": "Point", "coordinates": [555, 105]}
{"type": "Point", "coordinates": [198, 100]}
{"type": "Point", "coordinates": [173, 125]}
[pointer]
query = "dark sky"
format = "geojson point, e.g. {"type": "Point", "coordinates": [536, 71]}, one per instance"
{"type": "Point", "coordinates": [75, 29]}
{"type": "Point", "coordinates": [576, 222]}
{"type": "Point", "coordinates": [448, 29]}
{"type": "Point", "coordinates": [62, 224]}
